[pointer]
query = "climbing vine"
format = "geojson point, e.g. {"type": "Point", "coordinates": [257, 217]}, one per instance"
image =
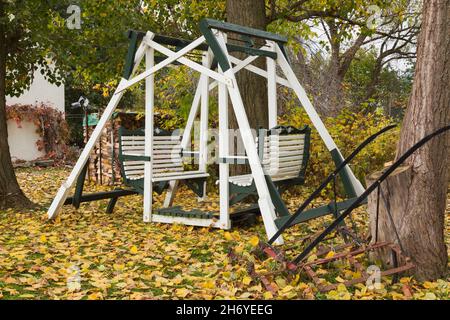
{"type": "Point", "coordinates": [50, 125]}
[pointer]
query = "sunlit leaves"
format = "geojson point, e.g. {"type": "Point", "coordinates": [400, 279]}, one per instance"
{"type": "Point", "coordinates": [348, 130]}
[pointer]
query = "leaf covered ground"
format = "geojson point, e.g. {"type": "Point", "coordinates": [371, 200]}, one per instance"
{"type": "Point", "coordinates": [88, 254]}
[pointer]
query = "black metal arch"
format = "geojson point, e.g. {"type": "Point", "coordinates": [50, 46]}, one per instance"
{"type": "Point", "coordinates": [369, 190]}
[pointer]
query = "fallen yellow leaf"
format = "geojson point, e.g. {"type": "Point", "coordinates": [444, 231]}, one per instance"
{"type": "Point", "coordinates": [95, 296]}
{"type": "Point", "coordinates": [118, 267]}
{"type": "Point", "coordinates": [134, 250]}
{"type": "Point", "coordinates": [247, 280]}
{"type": "Point", "coordinates": [182, 293]}
{"type": "Point", "coordinates": [254, 241]}
{"type": "Point", "coordinates": [208, 284]}
{"type": "Point", "coordinates": [268, 295]}
{"type": "Point", "coordinates": [429, 296]}
{"type": "Point", "coordinates": [228, 236]}
{"type": "Point", "coordinates": [429, 285]}
{"type": "Point", "coordinates": [330, 255]}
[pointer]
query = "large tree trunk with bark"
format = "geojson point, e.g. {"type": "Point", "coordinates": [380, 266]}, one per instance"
{"type": "Point", "coordinates": [417, 194]}
{"type": "Point", "coordinates": [10, 194]}
{"type": "Point", "coordinates": [253, 88]}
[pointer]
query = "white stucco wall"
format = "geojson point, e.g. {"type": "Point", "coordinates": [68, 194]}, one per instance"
{"type": "Point", "coordinates": [22, 141]}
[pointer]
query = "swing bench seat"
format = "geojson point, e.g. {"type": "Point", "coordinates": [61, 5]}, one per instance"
{"type": "Point", "coordinates": [167, 162]}
{"type": "Point", "coordinates": [284, 154]}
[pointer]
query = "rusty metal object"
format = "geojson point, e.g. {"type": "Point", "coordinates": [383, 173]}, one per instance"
{"type": "Point", "coordinates": [345, 252]}
{"type": "Point", "coordinates": [350, 257]}
{"type": "Point", "coordinates": [277, 255]}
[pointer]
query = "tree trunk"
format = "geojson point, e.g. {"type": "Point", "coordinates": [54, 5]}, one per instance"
{"type": "Point", "coordinates": [333, 92]}
{"type": "Point", "coordinates": [374, 80]}
{"type": "Point", "coordinates": [417, 196]}
{"type": "Point", "coordinates": [10, 194]}
{"type": "Point", "coordinates": [253, 88]}
{"type": "Point", "coordinates": [332, 81]}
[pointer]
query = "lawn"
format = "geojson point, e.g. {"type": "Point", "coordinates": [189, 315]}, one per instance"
{"type": "Point", "coordinates": [88, 254]}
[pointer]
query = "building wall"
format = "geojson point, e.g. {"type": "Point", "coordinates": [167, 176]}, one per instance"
{"type": "Point", "coordinates": [22, 141]}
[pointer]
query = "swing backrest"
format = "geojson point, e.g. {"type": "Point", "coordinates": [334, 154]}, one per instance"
{"type": "Point", "coordinates": [167, 156]}
{"type": "Point", "coordinates": [285, 152]}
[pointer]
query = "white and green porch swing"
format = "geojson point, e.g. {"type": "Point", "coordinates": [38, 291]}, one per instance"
{"type": "Point", "coordinates": [278, 157]}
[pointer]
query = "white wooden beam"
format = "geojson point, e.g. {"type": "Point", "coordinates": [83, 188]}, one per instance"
{"type": "Point", "coordinates": [186, 221]}
{"type": "Point", "coordinates": [204, 112]}
{"type": "Point", "coordinates": [204, 118]}
{"type": "Point", "coordinates": [149, 111]}
{"type": "Point", "coordinates": [191, 118]}
{"type": "Point", "coordinates": [261, 72]}
{"type": "Point", "coordinates": [272, 89]}
{"type": "Point", "coordinates": [313, 115]}
{"type": "Point", "coordinates": [264, 200]}
{"type": "Point", "coordinates": [224, 149]}
{"type": "Point", "coordinates": [191, 64]}
{"type": "Point", "coordinates": [241, 65]}
{"type": "Point", "coordinates": [140, 52]}
{"type": "Point", "coordinates": [171, 58]}
{"type": "Point", "coordinates": [170, 195]}
{"type": "Point", "coordinates": [64, 190]}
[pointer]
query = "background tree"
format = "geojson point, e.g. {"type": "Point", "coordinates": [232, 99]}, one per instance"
{"type": "Point", "coordinates": [391, 92]}
{"type": "Point", "coordinates": [334, 32]}
{"type": "Point", "coordinates": [417, 194]}
{"type": "Point", "coordinates": [253, 88]}
{"type": "Point", "coordinates": [20, 54]}
{"type": "Point", "coordinates": [34, 36]}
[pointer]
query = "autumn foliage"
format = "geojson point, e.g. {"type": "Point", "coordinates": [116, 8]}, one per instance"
{"type": "Point", "coordinates": [88, 254]}
{"type": "Point", "coordinates": [50, 126]}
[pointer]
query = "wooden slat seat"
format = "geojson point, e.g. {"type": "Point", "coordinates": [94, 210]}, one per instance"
{"type": "Point", "coordinates": [167, 161]}
{"type": "Point", "coordinates": [284, 154]}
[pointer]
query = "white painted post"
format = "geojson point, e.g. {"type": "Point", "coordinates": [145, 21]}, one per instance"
{"type": "Point", "coordinates": [171, 192]}
{"type": "Point", "coordinates": [192, 115]}
{"type": "Point", "coordinates": [313, 115]}
{"type": "Point", "coordinates": [265, 202]}
{"type": "Point", "coordinates": [224, 151]}
{"type": "Point", "coordinates": [272, 89]}
{"type": "Point", "coordinates": [204, 112]}
{"type": "Point", "coordinates": [149, 104]}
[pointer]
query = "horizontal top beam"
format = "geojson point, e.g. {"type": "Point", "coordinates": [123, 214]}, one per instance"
{"type": "Point", "coordinates": [205, 26]}
{"type": "Point", "coordinates": [242, 30]}
{"type": "Point", "coordinates": [181, 43]}
{"type": "Point", "coordinates": [246, 33]}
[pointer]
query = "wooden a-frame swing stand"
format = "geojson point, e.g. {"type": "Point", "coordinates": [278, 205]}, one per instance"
{"type": "Point", "coordinates": [218, 68]}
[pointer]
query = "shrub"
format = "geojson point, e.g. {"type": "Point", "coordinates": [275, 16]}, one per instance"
{"type": "Point", "coordinates": [348, 130]}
